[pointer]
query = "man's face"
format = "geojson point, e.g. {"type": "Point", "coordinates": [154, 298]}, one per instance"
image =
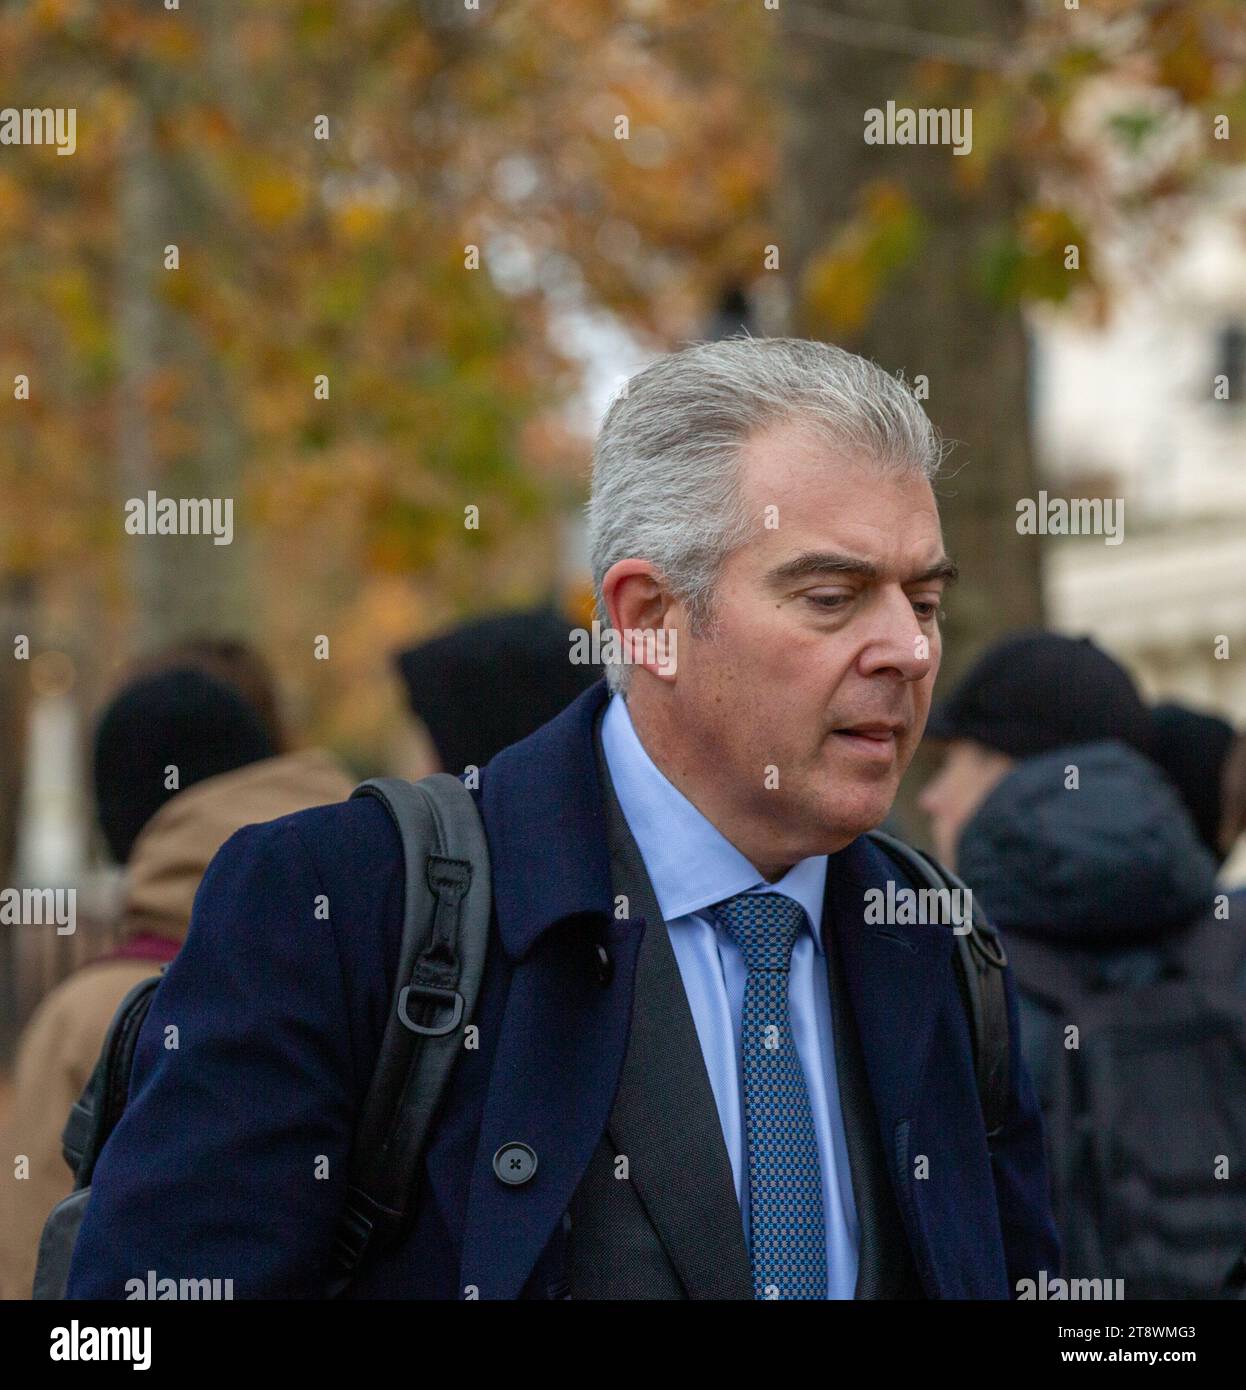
{"type": "Point", "coordinates": [969, 774]}
{"type": "Point", "coordinates": [809, 695]}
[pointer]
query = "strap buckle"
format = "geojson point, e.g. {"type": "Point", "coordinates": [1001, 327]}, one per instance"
{"type": "Point", "coordinates": [986, 941]}
{"type": "Point", "coordinates": [431, 994]}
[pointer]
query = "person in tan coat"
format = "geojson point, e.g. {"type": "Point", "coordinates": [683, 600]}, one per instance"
{"type": "Point", "coordinates": [200, 724]}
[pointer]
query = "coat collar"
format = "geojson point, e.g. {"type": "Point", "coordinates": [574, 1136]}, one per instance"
{"type": "Point", "coordinates": [545, 820]}
{"type": "Point", "coordinates": [895, 976]}
{"type": "Point", "coordinates": [551, 862]}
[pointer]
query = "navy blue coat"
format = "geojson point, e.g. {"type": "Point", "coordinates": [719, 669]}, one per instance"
{"type": "Point", "coordinates": [232, 1155]}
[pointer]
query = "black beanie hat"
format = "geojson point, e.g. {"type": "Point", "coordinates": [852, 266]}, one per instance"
{"type": "Point", "coordinates": [1192, 748]}
{"type": "Point", "coordinates": [1033, 692]}
{"type": "Point", "coordinates": [483, 686]}
{"type": "Point", "coordinates": [182, 718]}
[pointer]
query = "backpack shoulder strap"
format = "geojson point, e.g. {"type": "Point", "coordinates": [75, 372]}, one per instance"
{"type": "Point", "coordinates": [95, 1113]}
{"type": "Point", "coordinates": [445, 932]}
{"type": "Point", "coordinates": [981, 961]}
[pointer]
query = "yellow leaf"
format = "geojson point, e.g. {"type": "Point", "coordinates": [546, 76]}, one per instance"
{"type": "Point", "coordinates": [275, 198]}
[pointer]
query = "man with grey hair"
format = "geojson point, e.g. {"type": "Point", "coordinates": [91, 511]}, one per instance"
{"type": "Point", "coordinates": [716, 1053]}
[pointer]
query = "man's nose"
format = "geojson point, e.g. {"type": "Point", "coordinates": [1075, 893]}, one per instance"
{"type": "Point", "coordinates": [900, 642]}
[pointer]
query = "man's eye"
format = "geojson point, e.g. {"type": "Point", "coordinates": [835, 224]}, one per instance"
{"type": "Point", "coordinates": [827, 600]}
{"type": "Point", "coordinates": [926, 608]}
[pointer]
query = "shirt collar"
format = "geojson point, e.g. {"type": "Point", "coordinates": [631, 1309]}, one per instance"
{"type": "Point", "coordinates": [691, 864]}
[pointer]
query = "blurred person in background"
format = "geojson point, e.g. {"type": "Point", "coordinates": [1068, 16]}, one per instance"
{"type": "Point", "coordinates": [1206, 761]}
{"type": "Point", "coordinates": [236, 664]}
{"type": "Point", "coordinates": [489, 683]}
{"type": "Point", "coordinates": [1082, 853]}
{"type": "Point", "coordinates": [210, 710]}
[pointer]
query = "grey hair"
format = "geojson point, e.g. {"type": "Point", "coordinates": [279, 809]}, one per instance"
{"type": "Point", "coordinates": [665, 475]}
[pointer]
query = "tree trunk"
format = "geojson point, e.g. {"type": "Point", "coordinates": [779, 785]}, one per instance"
{"type": "Point", "coordinates": [180, 584]}
{"type": "Point", "coordinates": [931, 319]}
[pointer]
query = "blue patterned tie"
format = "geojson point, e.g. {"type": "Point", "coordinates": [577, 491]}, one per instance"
{"type": "Point", "coordinates": [785, 1177]}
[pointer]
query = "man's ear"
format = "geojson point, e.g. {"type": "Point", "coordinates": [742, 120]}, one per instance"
{"type": "Point", "coordinates": [644, 613]}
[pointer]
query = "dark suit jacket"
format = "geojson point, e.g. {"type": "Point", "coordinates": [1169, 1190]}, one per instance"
{"type": "Point", "coordinates": [231, 1158]}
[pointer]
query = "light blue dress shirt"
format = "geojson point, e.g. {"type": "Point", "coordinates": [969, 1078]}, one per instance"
{"type": "Point", "coordinates": [692, 866]}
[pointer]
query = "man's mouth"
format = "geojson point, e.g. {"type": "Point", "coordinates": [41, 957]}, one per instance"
{"type": "Point", "coordinates": [874, 739]}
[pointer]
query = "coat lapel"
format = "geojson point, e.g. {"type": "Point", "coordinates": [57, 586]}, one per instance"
{"type": "Point", "coordinates": [884, 1265]}
{"type": "Point", "coordinates": [665, 1118]}
{"type": "Point", "coordinates": [895, 977]}
{"type": "Point", "coordinates": [564, 1029]}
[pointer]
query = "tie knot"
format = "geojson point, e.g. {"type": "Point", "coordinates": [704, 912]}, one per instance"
{"type": "Point", "coordinates": [764, 926]}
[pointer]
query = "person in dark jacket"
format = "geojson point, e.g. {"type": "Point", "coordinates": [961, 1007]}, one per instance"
{"type": "Point", "coordinates": [1028, 693]}
{"type": "Point", "coordinates": [1108, 873]}
{"type": "Point", "coordinates": [1082, 853]}
{"type": "Point", "coordinates": [1049, 805]}
{"type": "Point", "coordinates": [661, 1101]}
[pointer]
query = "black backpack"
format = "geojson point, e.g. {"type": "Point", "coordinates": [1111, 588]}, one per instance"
{"type": "Point", "coordinates": [445, 931]}
{"type": "Point", "coordinates": [446, 911]}
{"type": "Point", "coordinates": [1146, 1115]}
{"type": "Point", "coordinates": [980, 961]}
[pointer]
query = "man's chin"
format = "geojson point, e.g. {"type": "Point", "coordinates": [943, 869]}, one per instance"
{"type": "Point", "coordinates": [833, 827]}
{"type": "Point", "coordinates": [859, 806]}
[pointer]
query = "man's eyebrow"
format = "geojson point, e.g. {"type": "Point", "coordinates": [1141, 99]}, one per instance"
{"type": "Point", "coordinates": [814, 562]}
{"type": "Point", "coordinates": [944, 569]}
